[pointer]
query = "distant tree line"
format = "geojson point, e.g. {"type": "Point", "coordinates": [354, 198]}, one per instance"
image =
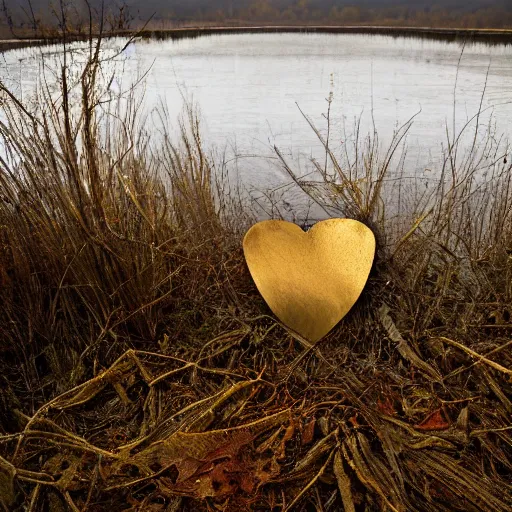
{"type": "Point", "coordinates": [440, 13]}
{"type": "Point", "coordinates": [26, 14]}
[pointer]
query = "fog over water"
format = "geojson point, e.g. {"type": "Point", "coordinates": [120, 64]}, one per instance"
{"type": "Point", "coordinates": [247, 88]}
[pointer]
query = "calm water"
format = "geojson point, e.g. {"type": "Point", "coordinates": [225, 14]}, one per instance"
{"type": "Point", "coordinates": [247, 88]}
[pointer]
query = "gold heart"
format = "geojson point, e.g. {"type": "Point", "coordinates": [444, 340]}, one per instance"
{"type": "Point", "coordinates": [310, 279]}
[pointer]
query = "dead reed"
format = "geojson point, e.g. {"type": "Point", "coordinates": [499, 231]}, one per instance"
{"type": "Point", "coordinates": [142, 371]}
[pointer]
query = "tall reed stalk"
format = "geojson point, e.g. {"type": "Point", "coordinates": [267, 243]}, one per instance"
{"type": "Point", "coordinates": [103, 235]}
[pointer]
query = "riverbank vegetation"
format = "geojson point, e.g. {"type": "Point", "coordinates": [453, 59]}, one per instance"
{"type": "Point", "coordinates": [141, 370]}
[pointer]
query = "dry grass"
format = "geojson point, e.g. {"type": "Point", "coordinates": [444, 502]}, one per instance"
{"type": "Point", "coordinates": [142, 371]}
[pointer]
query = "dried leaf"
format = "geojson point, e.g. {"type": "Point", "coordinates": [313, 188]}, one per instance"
{"type": "Point", "coordinates": [223, 472]}
{"type": "Point", "coordinates": [386, 407]}
{"type": "Point", "coordinates": [288, 434]}
{"type": "Point", "coordinates": [308, 432]}
{"type": "Point", "coordinates": [372, 472]}
{"type": "Point", "coordinates": [321, 448]}
{"type": "Point", "coordinates": [434, 421]}
{"type": "Point", "coordinates": [403, 347]}
{"type": "Point", "coordinates": [204, 464]}
{"type": "Point", "coordinates": [463, 420]}
{"type": "Point", "coordinates": [93, 387]}
{"type": "Point", "coordinates": [343, 483]}
{"type": "Point", "coordinates": [353, 421]}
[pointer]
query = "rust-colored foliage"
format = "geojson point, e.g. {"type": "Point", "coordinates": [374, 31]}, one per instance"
{"type": "Point", "coordinates": [434, 421]}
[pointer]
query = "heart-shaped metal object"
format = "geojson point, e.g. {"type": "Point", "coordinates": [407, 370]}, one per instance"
{"type": "Point", "coordinates": [310, 279]}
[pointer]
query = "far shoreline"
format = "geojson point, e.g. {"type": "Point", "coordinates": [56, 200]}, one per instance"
{"type": "Point", "coordinates": [331, 29]}
{"type": "Point", "coordinates": [487, 35]}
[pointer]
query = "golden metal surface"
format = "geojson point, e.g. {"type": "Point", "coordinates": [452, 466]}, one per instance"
{"type": "Point", "coordinates": [310, 280]}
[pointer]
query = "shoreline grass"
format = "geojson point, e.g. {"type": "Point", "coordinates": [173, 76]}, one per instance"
{"type": "Point", "coordinates": [141, 370]}
{"type": "Point", "coordinates": [490, 36]}
{"type": "Point", "coordinates": [478, 35]}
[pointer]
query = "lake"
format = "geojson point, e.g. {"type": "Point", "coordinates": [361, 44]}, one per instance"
{"type": "Point", "coordinates": [249, 87]}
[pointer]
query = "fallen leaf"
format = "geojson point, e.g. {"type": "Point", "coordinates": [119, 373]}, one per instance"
{"type": "Point", "coordinates": [213, 464]}
{"type": "Point", "coordinates": [386, 407]}
{"type": "Point", "coordinates": [343, 483]}
{"type": "Point", "coordinates": [288, 434]}
{"type": "Point", "coordinates": [308, 432]}
{"type": "Point", "coordinates": [434, 421]}
{"type": "Point", "coordinates": [353, 421]}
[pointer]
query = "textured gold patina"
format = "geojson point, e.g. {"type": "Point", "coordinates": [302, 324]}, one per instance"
{"type": "Point", "coordinates": [310, 279]}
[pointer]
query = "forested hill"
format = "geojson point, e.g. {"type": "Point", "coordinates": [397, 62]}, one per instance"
{"type": "Point", "coordinates": [439, 13]}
